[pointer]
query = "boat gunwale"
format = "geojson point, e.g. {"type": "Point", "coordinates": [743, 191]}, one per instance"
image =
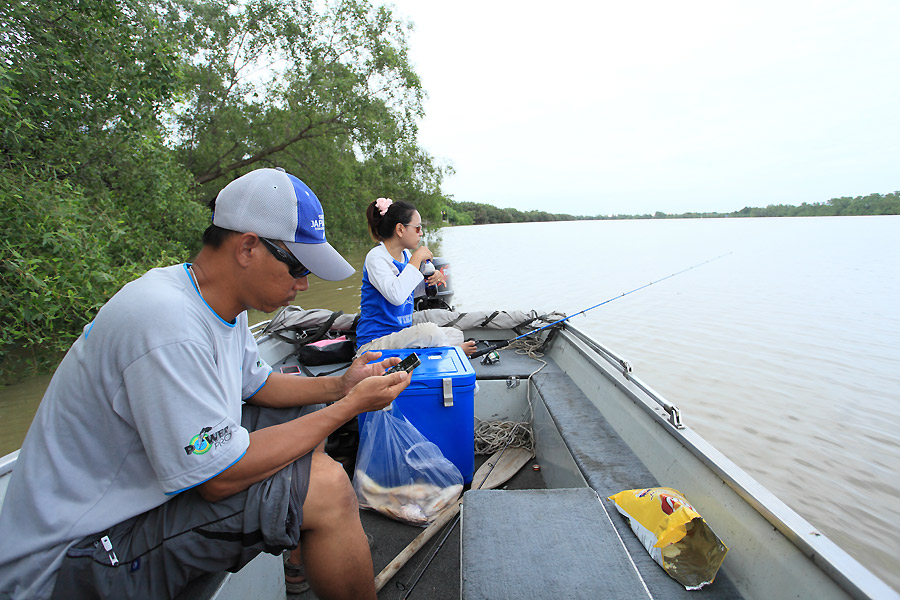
{"type": "Point", "coordinates": [7, 462]}
{"type": "Point", "coordinates": [836, 563]}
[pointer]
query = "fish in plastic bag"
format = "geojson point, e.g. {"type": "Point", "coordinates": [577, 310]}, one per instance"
{"type": "Point", "coordinates": [399, 473]}
{"type": "Point", "coordinates": [674, 534]}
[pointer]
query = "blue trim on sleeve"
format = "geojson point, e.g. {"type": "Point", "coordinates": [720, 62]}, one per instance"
{"type": "Point", "coordinates": [207, 479]}
{"type": "Point", "coordinates": [88, 332]}
{"type": "Point", "coordinates": [199, 295]}
{"type": "Point", "coordinates": [260, 387]}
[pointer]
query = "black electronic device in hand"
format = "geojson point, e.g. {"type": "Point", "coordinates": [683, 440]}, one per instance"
{"type": "Point", "coordinates": [407, 364]}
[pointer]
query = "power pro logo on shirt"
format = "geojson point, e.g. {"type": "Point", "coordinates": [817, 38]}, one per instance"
{"type": "Point", "coordinates": [204, 441]}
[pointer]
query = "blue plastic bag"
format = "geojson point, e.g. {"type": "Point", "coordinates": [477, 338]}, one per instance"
{"type": "Point", "coordinates": [399, 473]}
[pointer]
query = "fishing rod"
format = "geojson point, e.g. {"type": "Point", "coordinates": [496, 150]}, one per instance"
{"type": "Point", "coordinates": [408, 590]}
{"type": "Point", "coordinates": [501, 345]}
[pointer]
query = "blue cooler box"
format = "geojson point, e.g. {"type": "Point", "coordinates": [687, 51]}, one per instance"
{"type": "Point", "coordinates": [440, 402]}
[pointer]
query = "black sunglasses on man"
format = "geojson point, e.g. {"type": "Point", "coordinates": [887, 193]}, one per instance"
{"type": "Point", "coordinates": [295, 267]}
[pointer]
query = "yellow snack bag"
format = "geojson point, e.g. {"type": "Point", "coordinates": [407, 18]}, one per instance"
{"type": "Point", "coordinates": [674, 534]}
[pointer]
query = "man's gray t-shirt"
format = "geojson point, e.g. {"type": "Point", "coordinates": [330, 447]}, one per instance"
{"type": "Point", "coordinates": [146, 403]}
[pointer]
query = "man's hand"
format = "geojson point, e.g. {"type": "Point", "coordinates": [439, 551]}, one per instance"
{"type": "Point", "coordinates": [273, 448]}
{"type": "Point", "coordinates": [360, 369]}
{"type": "Point", "coordinates": [376, 392]}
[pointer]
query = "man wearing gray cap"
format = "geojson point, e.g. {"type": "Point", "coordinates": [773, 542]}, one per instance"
{"type": "Point", "coordinates": [165, 447]}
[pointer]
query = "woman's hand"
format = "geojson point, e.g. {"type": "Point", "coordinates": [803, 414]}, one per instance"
{"type": "Point", "coordinates": [436, 279]}
{"type": "Point", "coordinates": [421, 254]}
{"type": "Point", "coordinates": [362, 368]}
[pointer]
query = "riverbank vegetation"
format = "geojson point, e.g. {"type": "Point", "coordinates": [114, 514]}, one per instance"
{"type": "Point", "coordinates": [121, 119]}
{"type": "Point", "coordinates": [873, 204]}
{"type": "Point", "coordinates": [472, 213]}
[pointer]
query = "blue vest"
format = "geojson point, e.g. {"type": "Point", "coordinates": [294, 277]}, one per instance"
{"type": "Point", "coordinates": [377, 316]}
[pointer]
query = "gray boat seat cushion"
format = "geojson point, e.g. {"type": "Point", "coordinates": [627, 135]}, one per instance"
{"type": "Point", "coordinates": [540, 544]}
{"type": "Point", "coordinates": [609, 466]}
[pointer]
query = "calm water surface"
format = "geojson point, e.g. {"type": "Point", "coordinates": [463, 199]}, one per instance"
{"type": "Point", "coordinates": [784, 354]}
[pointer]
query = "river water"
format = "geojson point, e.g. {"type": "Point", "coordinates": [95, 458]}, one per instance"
{"type": "Point", "coordinates": [784, 352]}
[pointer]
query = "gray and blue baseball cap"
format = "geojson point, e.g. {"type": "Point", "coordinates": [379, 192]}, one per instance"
{"type": "Point", "coordinates": [276, 205]}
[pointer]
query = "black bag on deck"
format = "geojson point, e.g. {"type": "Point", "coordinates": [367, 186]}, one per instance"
{"type": "Point", "coordinates": [335, 352]}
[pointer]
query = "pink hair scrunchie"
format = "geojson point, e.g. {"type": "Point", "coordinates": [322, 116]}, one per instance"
{"type": "Point", "coordinates": [383, 204]}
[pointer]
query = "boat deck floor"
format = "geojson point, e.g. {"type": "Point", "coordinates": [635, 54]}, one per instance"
{"type": "Point", "coordinates": [440, 580]}
{"type": "Point", "coordinates": [606, 462]}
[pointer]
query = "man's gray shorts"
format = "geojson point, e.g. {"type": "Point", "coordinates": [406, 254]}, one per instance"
{"type": "Point", "coordinates": [162, 550]}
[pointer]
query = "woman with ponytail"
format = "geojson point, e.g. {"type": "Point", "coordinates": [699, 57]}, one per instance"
{"type": "Point", "coordinates": [391, 279]}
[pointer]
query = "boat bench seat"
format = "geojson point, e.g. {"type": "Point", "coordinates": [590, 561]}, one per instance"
{"type": "Point", "coordinates": [540, 544]}
{"type": "Point", "coordinates": [512, 364]}
{"type": "Point", "coordinates": [610, 466]}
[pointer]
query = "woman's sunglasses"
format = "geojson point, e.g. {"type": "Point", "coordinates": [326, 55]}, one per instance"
{"type": "Point", "coordinates": [295, 267]}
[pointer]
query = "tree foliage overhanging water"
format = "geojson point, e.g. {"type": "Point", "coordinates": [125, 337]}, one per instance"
{"type": "Point", "coordinates": [121, 119]}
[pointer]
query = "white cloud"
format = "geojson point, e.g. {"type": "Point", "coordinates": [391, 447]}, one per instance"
{"type": "Point", "coordinates": [599, 107]}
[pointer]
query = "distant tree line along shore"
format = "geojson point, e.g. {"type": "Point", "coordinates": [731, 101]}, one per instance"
{"type": "Point", "coordinates": [472, 213]}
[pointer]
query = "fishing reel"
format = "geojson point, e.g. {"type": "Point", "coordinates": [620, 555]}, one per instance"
{"type": "Point", "coordinates": [492, 357]}
{"type": "Point", "coordinates": [489, 354]}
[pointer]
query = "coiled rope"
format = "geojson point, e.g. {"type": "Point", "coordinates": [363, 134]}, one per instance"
{"type": "Point", "coordinates": [529, 347]}
{"type": "Point", "coordinates": [491, 436]}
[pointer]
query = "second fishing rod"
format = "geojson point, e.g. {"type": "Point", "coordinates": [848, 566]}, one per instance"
{"type": "Point", "coordinates": [501, 345]}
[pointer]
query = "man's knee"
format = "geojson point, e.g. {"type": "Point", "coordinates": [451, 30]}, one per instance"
{"type": "Point", "coordinates": [330, 489]}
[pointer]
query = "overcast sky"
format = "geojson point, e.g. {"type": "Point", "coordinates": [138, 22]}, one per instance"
{"type": "Point", "coordinates": [632, 107]}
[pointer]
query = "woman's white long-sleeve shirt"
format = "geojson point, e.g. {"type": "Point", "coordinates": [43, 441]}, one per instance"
{"type": "Point", "coordinates": [386, 296]}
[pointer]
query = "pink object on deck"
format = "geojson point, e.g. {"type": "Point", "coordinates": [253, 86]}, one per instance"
{"type": "Point", "coordinates": [321, 343]}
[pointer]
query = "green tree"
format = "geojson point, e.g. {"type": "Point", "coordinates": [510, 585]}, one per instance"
{"type": "Point", "coordinates": [76, 72]}
{"type": "Point", "coordinates": [89, 194]}
{"type": "Point", "coordinates": [324, 90]}
{"type": "Point", "coordinates": [85, 84]}
{"type": "Point", "coordinates": [275, 73]}
{"type": "Point", "coordinates": [120, 119]}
